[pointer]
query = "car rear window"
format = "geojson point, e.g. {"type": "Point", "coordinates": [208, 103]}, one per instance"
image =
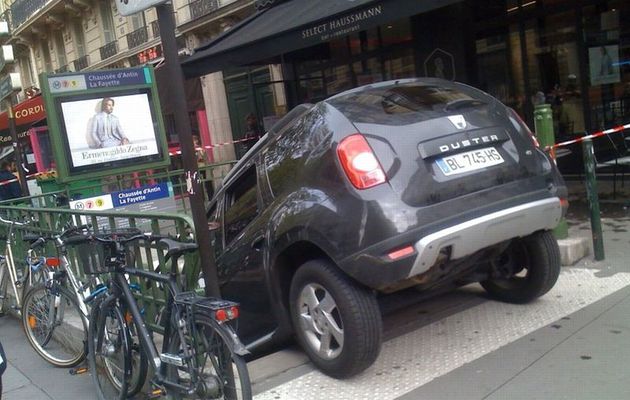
{"type": "Point", "coordinates": [407, 103]}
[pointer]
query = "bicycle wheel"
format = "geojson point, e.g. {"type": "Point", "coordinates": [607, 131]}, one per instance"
{"type": "Point", "coordinates": [109, 362]}
{"type": "Point", "coordinates": [54, 325]}
{"type": "Point", "coordinates": [220, 372]}
{"type": "Point", "coordinates": [4, 288]}
{"type": "Point", "coordinates": [139, 362]}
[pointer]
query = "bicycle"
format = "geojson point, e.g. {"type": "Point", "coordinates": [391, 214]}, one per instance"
{"type": "Point", "coordinates": [10, 273]}
{"type": "Point", "coordinates": [55, 314]}
{"type": "Point", "coordinates": [201, 357]}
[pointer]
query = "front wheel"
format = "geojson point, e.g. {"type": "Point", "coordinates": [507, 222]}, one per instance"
{"type": "Point", "coordinates": [337, 322]}
{"type": "Point", "coordinates": [220, 373]}
{"type": "Point", "coordinates": [527, 269]}
{"type": "Point", "coordinates": [55, 325]}
{"type": "Point", "coordinates": [109, 353]}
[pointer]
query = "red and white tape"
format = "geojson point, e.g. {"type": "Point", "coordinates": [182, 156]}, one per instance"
{"type": "Point", "coordinates": [171, 153]}
{"type": "Point", "coordinates": [591, 136]}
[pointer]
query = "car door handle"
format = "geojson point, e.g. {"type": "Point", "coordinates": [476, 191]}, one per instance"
{"type": "Point", "coordinates": [257, 243]}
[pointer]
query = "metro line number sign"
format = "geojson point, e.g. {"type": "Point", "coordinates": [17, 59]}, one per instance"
{"type": "Point", "coordinates": [129, 7]}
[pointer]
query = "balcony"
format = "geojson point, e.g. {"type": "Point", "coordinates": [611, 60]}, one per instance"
{"type": "Point", "coordinates": [137, 37]}
{"type": "Point", "coordinates": [60, 70]}
{"type": "Point", "coordinates": [21, 10]}
{"type": "Point", "coordinates": [155, 28]}
{"type": "Point", "coordinates": [81, 63]}
{"type": "Point", "coordinates": [199, 8]}
{"type": "Point", "coordinates": [109, 50]}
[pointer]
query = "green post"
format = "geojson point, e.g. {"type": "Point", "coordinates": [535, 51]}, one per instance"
{"type": "Point", "coordinates": [593, 199]}
{"type": "Point", "coordinates": [543, 121]}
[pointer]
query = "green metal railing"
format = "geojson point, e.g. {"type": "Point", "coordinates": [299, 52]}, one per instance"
{"type": "Point", "coordinates": [45, 221]}
{"type": "Point", "coordinates": [49, 214]}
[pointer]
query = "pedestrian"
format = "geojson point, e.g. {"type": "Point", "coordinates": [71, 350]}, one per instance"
{"type": "Point", "coordinates": [253, 132]}
{"type": "Point", "coordinates": [104, 128]}
{"type": "Point", "coordinates": [3, 366]}
{"type": "Point", "coordinates": [9, 185]}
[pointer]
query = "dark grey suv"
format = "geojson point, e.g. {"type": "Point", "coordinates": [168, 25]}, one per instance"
{"type": "Point", "coordinates": [423, 183]}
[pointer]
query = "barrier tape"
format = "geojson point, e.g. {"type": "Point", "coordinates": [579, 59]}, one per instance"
{"type": "Point", "coordinates": [171, 153]}
{"type": "Point", "coordinates": [552, 149]}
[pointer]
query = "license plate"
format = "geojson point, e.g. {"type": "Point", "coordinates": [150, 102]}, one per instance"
{"type": "Point", "coordinates": [469, 161]}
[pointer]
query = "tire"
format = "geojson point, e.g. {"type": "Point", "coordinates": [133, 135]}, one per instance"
{"type": "Point", "coordinates": [225, 374]}
{"type": "Point", "coordinates": [110, 364]}
{"type": "Point", "coordinates": [54, 325]}
{"type": "Point", "coordinates": [139, 362]}
{"type": "Point", "coordinates": [535, 261]}
{"type": "Point", "coordinates": [4, 287]}
{"type": "Point", "coordinates": [351, 311]}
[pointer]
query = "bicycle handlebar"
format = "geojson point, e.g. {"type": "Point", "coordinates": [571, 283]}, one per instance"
{"type": "Point", "coordinates": [8, 221]}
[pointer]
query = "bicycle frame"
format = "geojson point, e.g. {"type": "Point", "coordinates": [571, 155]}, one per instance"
{"type": "Point", "coordinates": [9, 265]}
{"type": "Point", "coordinates": [121, 289]}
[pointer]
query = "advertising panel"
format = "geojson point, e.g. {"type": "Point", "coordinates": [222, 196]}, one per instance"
{"type": "Point", "coordinates": [105, 122]}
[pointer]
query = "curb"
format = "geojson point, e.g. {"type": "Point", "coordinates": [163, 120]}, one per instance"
{"type": "Point", "coordinates": [573, 249]}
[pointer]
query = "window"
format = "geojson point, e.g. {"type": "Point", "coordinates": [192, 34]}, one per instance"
{"type": "Point", "coordinates": [241, 204]}
{"type": "Point", "coordinates": [214, 218]}
{"type": "Point", "coordinates": [79, 38]}
{"type": "Point", "coordinates": [107, 22]}
{"type": "Point", "coordinates": [46, 53]}
{"type": "Point", "coordinates": [137, 21]}
{"type": "Point", "coordinates": [61, 49]}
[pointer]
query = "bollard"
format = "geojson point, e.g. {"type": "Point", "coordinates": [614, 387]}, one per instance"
{"type": "Point", "coordinates": [543, 121]}
{"type": "Point", "coordinates": [593, 199]}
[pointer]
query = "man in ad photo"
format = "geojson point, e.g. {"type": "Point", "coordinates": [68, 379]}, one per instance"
{"type": "Point", "coordinates": [104, 128]}
{"type": "Point", "coordinates": [111, 129]}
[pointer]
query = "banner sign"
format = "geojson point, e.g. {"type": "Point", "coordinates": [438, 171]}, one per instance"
{"type": "Point", "coordinates": [154, 198]}
{"type": "Point", "coordinates": [26, 113]}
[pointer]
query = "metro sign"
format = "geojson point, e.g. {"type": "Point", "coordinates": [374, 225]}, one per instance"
{"type": "Point", "coordinates": [129, 7]}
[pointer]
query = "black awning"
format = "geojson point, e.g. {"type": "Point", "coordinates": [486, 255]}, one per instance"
{"type": "Point", "coordinates": [297, 24]}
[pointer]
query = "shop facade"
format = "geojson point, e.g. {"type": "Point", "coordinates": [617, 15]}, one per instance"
{"type": "Point", "coordinates": [572, 54]}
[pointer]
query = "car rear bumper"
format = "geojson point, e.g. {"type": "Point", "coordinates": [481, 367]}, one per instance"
{"type": "Point", "coordinates": [374, 268]}
{"type": "Point", "coordinates": [473, 235]}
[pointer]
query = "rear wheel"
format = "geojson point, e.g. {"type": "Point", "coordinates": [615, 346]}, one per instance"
{"type": "Point", "coordinates": [109, 361]}
{"type": "Point", "coordinates": [54, 325]}
{"type": "Point", "coordinates": [528, 268]}
{"type": "Point", "coordinates": [337, 322]}
{"type": "Point", "coordinates": [221, 373]}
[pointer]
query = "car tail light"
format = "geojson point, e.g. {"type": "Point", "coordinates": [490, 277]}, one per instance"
{"type": "Point", "coordinates": [359, 162]}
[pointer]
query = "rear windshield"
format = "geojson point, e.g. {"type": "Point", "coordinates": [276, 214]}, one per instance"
{"type": "Point", "coordinates": [402, 104]}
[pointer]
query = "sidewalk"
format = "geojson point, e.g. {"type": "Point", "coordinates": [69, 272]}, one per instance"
{"type": "Point", "coordinates": [574, 343]}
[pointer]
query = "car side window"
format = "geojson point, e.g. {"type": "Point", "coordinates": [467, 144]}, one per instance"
{"type": "Point", "coordinates": [241, 204]}
{"type": "Point", "coordinates": [216, 230]}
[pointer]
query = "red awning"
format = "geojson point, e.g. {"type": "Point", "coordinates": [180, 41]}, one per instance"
{"type": "Point", "coordinates": [26, 114]}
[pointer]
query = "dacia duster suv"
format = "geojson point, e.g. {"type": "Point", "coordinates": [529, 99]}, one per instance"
{"type": "Point", "coordinates": [422, 182]}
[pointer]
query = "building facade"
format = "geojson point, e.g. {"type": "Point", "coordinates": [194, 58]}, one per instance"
{"type": "Point", "coordinates": [572, 54]}
{"type": "Point", "coordinates": [263, 57]}
{"type": "Point", "coordinates": [60, 36]}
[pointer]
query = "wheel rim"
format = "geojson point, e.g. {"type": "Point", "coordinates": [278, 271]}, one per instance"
{"type": "Point", "coordinates": [519, 264]}
{"type": "Point", "coordinates": [320, 321]}
{"type": "Point", "coordinates": [52, 325]}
